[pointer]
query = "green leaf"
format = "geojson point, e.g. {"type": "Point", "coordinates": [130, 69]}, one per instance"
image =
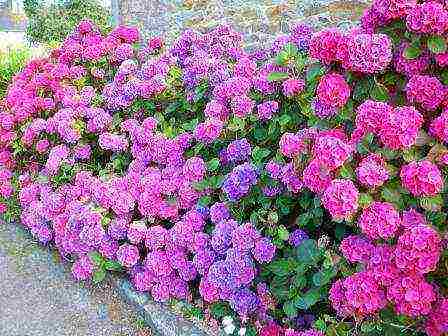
{"type": "Point", "coordinates": [323, 277]}
{"type": "Point", "coordinates": [309, 299]}
{"type": "Point", "coordinates": [436, 44]}
{"type": "Point", "coordinates": [99, 276]}
{"type": "Point", "coordinates": [284, 119]}
{"type": "Point", "coordinates": [299, 281]}
{"type": "Point", "coordinates": [277, 76]}
{"type": "Point", "coordinates": [291, 49]}
{"type": "Point", "coordinates": [320, 325]}
{"type": "Point", "coordinates": [347, 172]}
{"type": "Point", "coordinates": [314, 72]}
{"type": "Point", "coordinates": [282, 58]}
{"type": "Point", "coordinates": [379, 93]}
{"type": "Point", "coordinates": [112, 265]}
{"type": "Point", "coordinates": [96, 258]}
{"type": "Point", "coordinates": [213, 164]}
{"type": "Point", "coordinates": [432, 203]}
{"type": "Point", "coordinates": [283, 233]}
{"type": "Point", "coordinates": [392, 196]}
{"type": "Point", "coordinates": [258, 154]}
{"type": "Point", "coordinates": [290, 309]}
{"type": "Point", "coordinates": [307, 252]}
{"type": "Point", "coordinates": [411, 52]}
{"type": "Point", "coordinates": [281, 267]}
{"type": "Point", "coordinates": [219, 310]}
{"type": "Point", "coordinates": [365, 200]}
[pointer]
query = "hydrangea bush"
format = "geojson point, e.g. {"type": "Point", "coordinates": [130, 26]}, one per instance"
{"type": "Point", "coordinates": [294, 191]}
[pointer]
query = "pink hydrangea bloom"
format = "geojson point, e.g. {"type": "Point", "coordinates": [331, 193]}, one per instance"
{"type": "Point", "coordinates": [382, 265]}
{"type": "Point", "coordinates": [333, 90]}
{"type": "Point", "coordinates": [439, 127]}
{"type": "Point", "coordinates": [411, 295]}
{"type": "Point", "coordinates": [437, 322]}
{"type": "Point", "coordinates": [357, 295]}
{"type": "Point", "coordinates": [310, 332]}
{"type": "Point", "coordinates": [425, 90]}
{"type": "Point", "coordinates": [379, 220]}
{"type": "Point", "coordinates": [356, 249]}
{"type": "Point", "coordinates": [128, 255]}
{"type": "Point", "coordinates": [368, 53]}
{"type": "Point", "coordinates": [428, 18]}
{"type": "Point", "coordinates": [267, 109]}
{"type": "Point", "coordinates": [331, 151]}
{"type": "Point", "coordinates": [372, 171]}
{"type": "Point", "coordinates": [422, 178]}
{"type": "Point", "coordinates": [418, 249]}
{"type": "Point", "coordinates": [324, 45]}
{"type": "Point", "coordinates": [194, 169]}
{"type": "Point", "coordinates": [412, 218]}
{"type": "Point", "coordinates": [316, 176]}
{"type": "Point", "coordinates": [83, 268]}
{"type": "Point", "coordinates": [401, 128]}
{"type": "Point", "coordinates": [209, 292]}
{"type": "Point", "coordinates": [442, 59]}
{"type": "Point", "coordinates": [209, 130]}
{"type": "Point", "coordinates": [370, 115]}
{"type": "Point", "coordinates": [341, 199]}
{"type": "Point", "coordinates": [292, 87]}
{"type": "Point", "coordinates": [393, 9]}
{"type": "Point", "coordinates": [291, 145]}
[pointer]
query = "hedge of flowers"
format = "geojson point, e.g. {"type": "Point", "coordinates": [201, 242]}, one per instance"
{"type": "Point", "coordinates": [299, 190]}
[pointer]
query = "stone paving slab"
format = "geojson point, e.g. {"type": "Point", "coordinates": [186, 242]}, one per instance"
{"type": "Point", "coordinates": [38, 296]}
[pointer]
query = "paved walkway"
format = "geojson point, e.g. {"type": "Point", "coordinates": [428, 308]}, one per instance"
{"type": "Point", "coordinates": [38, 296]}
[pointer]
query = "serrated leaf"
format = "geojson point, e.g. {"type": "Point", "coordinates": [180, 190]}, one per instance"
{"type": "Point", "coordinates": [213, 164]}
{"type": "Point", "coordinates": [314, 72]}
{"type": "Point", "coordinates": [379, 93]}
{"type": "Point", "coordinates": [96, 258]}
{"type": "Point", "coordinates": [364, 200]}
{"type": "Point", "coordinates": [433, 204]}
{"type": "Point", "coordinates": [283, 233]}
{"type": "Point", "coordinates": [277, 76]}
{"type": "Point", "coordinates": [308, 252]}
{"type": "Point", "coordinates": [436, 44]}
{"type": "Point", "coordinates": [290, 309]}
{"type": "Point", "coordinates": [112, 265]}
{"type": "Point", "coordinates": [281, 267]}
{"type": "Point", "coordinates": [412, 52]}
{"type": "Point", "coordinates": [291, 49]}
{"type": "Point", "coordinates": [299, 281]}
{"type": "Point", "coordinates": [258, 154]}
{"type": "Point", "coordinates": [282, 58]}
{"type": "Point", "coordinates": [99, 276]}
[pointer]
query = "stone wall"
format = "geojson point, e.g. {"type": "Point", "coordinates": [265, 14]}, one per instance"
{"type": "Point", "coordinates": [259, 20]}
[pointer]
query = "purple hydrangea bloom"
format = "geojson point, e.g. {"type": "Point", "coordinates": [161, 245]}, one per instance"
{"type": "Point", "coordinates": [128, 255]}
{"type": "Point", "coordinates": [264, 250]}
{"type": "Point", "coordinates": [301, 35]}
{"type": "Point", "coordinates": [219, 212]}
{"type": "Point", "coordinates": [82, 269]}
{"type": "Point", "coordinates": [244, 302]}
{"type": "Point", "coordinates": [238, 150]}
{"type": "Point", "coordinates": [267, 109]}
{"type": "Point", "coordinates": [297, 237]}
{"type": "Point", "coordinates": [323, 111]}
{"type": "Point", "coordinates": [240, 180]}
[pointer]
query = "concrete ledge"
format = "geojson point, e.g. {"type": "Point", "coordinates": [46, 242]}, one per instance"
{"type": "Point", "coordinates": [160, 318]}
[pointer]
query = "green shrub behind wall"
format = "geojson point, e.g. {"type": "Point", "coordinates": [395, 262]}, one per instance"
{"type": "Point", "coordinates": [52, 23]}
{"type": "Point", "coordinates": [12, 60]}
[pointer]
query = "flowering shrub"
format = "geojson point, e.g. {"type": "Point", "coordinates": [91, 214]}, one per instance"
{"type": "Point", "coordinates": [300, 189]}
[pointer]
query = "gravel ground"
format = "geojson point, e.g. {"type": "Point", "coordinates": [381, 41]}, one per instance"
{"type": "Point", "coordinates": [40, 298]}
